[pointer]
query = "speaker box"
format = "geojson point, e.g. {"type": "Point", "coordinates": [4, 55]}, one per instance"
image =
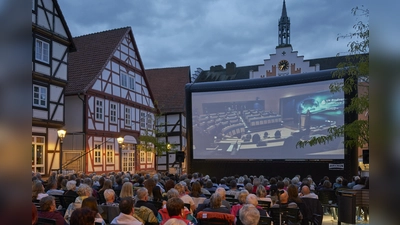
{"type": "Point", "coordinates": [180, 157]}
{"type": "Point", "coordinates": [366, 156]}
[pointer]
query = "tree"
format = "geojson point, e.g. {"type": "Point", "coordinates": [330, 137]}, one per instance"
{"type": "Point", "coordinates": [152, 138]}
{"type": "Point", "coordinates": [356, 71]}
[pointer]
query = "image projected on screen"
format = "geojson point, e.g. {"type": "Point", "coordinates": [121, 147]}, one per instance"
{"type": "Point", "coordinates": [266, 123]}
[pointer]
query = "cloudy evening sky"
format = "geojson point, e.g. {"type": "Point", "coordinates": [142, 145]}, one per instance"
{"type": "Point", "coordinates": [203, 33]}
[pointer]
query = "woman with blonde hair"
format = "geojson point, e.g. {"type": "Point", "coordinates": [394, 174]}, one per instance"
{"type": "Point", "coordinates": [185, 197]}
{"type": "Point", "coordinates": [261, 194]}
{"type": "Point", "coordinates": [126, 190]}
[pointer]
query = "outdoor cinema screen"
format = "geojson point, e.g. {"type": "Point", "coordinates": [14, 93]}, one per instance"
{"type": "Point", "coordinates": [265, 123]}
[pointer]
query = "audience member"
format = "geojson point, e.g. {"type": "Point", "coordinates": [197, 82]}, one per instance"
{"type": "Point", "coordinates": [91, 203]}
{"type": "Point", "coordinates": [53, 189]}
{"type": "Point", "coordinates": [38, 190]}
{"type": "Point", "coordinates": [242, 200]}
{"type": "Point", "coordinates": [127, 190]}
{"type": "Point", "coordinates": [149, 184]}
{"type": "Point", "coordinates": [234, 191]}
{"type": "Point", "coordinates": [142, 197]}
{"type": "Point", "coordinates": [71, 189]}
{"type": "Point", "coordinates": [48, 210]}
{"type": "Point", "coordinates": [109, 195]}
{"type": "Point", "coordinates": [83, 216]}
{"type": "Point", "coordinates": [283, 201]}
{"type": "Point", "coordinates": [306, 193]}
{"type": "Point", "coordinates": [163, 212]}
{"type": "Point", "coordinates": [126, 213]}
{"type": "Point", "coordinates": [185, 197]}
{"type": "Point", "coordinates": [252, 199]}
{"type": "Point", "coordinates": [261, 194]}
{"type": "Point", "coordinates": [34, 214]}
{"type": "Point", "coordinates": [353, 182]}
{"type": "Point", "coordinates": [84, 191]}
{"type": "Point", "coordinates": [249, 215]}
{"type": "Point", "coordinates": [196, 194]}
{"type": "Point", "coordinates": [216, 204]}
{"type": "Point", "coordinates": [175, 208]}
{"type": "Point", "coordinates": [174, 221]}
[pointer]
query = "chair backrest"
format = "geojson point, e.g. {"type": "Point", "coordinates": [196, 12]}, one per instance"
{"type": "Point", "coordinates": [264, 204]}
{"type": "Point", "coordinates": [232, 201]}
{"type": "Point", "coordinates": [158, 205]}
{"type": "Point", "coordinates": [265, 220]}
{"type": "Point", "coordinates": [59, 201]}
{"type": "Point", "coordinates": [215, 218]}
{"type": "Point", "coordinates": [187, 205]}
{"type": "Point", "coordinates": [325, 196]}
{"type": "Point", "coordinates": [285, 215]}
{"type": "Point", "coordinates": [229, 196]}
{"type": "Point", "coordinates": [315, 212]}
{"type": "Point", "coordinates": [66, 200]}
{"type": "Point", "coordinates": [36, 203]}
{"type": "Point", "coordinates": [109, 212]}
{"type": "Point", "coordinates": [46, 221]}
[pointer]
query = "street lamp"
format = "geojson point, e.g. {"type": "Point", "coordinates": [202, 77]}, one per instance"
{"type": "Point", "coordinates": [61, 135]}
{"type": "Point", "coordinates": [120, 140]}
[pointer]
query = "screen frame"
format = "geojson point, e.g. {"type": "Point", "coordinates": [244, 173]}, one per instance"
{"type": "Point", "coordinates": [243, 84]}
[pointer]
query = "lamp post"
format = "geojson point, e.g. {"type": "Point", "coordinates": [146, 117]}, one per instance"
{"type": "Point", "coordinates": [61, 135]}
{"type": "Point", "coordinates": [120, 141]}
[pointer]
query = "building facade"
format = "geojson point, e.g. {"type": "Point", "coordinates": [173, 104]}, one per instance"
{"type": "Point", "coordinates": [108, 97]}
{"type": "Point", "coordinates": [172, 118]}
{"type": "Point", "coordinates": [52, 43]}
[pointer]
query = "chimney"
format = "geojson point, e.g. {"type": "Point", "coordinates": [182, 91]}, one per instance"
{"type": "Point", "coordinates": [216, 68]}
{"type": "Point", "coordinates": [230, 68]}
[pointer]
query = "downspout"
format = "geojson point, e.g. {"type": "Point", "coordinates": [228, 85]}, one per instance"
{"type": "Point", "coordinates": [83, 127]}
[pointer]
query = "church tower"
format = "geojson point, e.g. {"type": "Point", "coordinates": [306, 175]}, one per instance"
{"type": "Point", "coordinates": [284, 61]}
{"type": "Point", "coordinates": [284, 28]}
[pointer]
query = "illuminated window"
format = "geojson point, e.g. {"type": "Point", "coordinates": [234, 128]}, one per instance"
{"type": "Point", "coordinates": [97, 154]}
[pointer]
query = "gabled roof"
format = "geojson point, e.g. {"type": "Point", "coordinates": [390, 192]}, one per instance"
{"type": "Point", "coordinates": [168, 87]}
{"type": "Point", "coordinates": [72, 46]}
{"type": "Point", "coordinates": [93, 53]}
{"type": "Point", "coordinates": [243, 71]}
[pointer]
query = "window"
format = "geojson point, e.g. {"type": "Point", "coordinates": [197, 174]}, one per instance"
{"type": "Point", "coordinates": [128, 157]}
{"type": "Point", "coordinates": [142, 120]}
{"type": "Point", "coordinates": [128, 81]}
{"type": "Point", "coordinates": [33, 5]}
{"type": "Point", "coordinates": [99, 109]}
{"type": "Point", "coordinates": [38, 154]}
{"type": "Point", "coordinates": [97, 153]}
{"type": "Point", "coordinates": [110, 154]}
{"type": "Point", "coordinates": [42, 51]}
{"type": "Point", "coordinates": [149, 157]}
{"type": "Point", "coordinates": [149, 121]}
{"type": "Point", "coordinates": [127, 116]}
{"type": "Point", "coordinates": [39, 96]}
{"type": "Point", "coordinates": [142, 156]}
{"type": "Point", "coordinates": [113, 112]}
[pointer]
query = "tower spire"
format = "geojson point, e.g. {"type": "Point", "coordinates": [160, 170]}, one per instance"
{"type": "Point", "coordinates": [284, 28]}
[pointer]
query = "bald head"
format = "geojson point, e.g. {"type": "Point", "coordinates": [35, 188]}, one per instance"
{"type": "Point", "coordinates": [305, 190]}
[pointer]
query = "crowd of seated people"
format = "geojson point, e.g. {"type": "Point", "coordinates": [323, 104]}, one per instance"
{"type": "Point", "coordinates": [154, 199]}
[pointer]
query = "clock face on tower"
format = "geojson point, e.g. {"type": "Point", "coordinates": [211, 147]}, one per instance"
{"type": "Point", "coordinates": [283, 65]}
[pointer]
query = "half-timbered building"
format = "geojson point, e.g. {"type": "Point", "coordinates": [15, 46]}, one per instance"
{"type": "Point", "coordinates": [52, 43]}
{"type": "Point", "coordinates": [171, 120]}
{"type": "Point", "coordinates": [108, 97]}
